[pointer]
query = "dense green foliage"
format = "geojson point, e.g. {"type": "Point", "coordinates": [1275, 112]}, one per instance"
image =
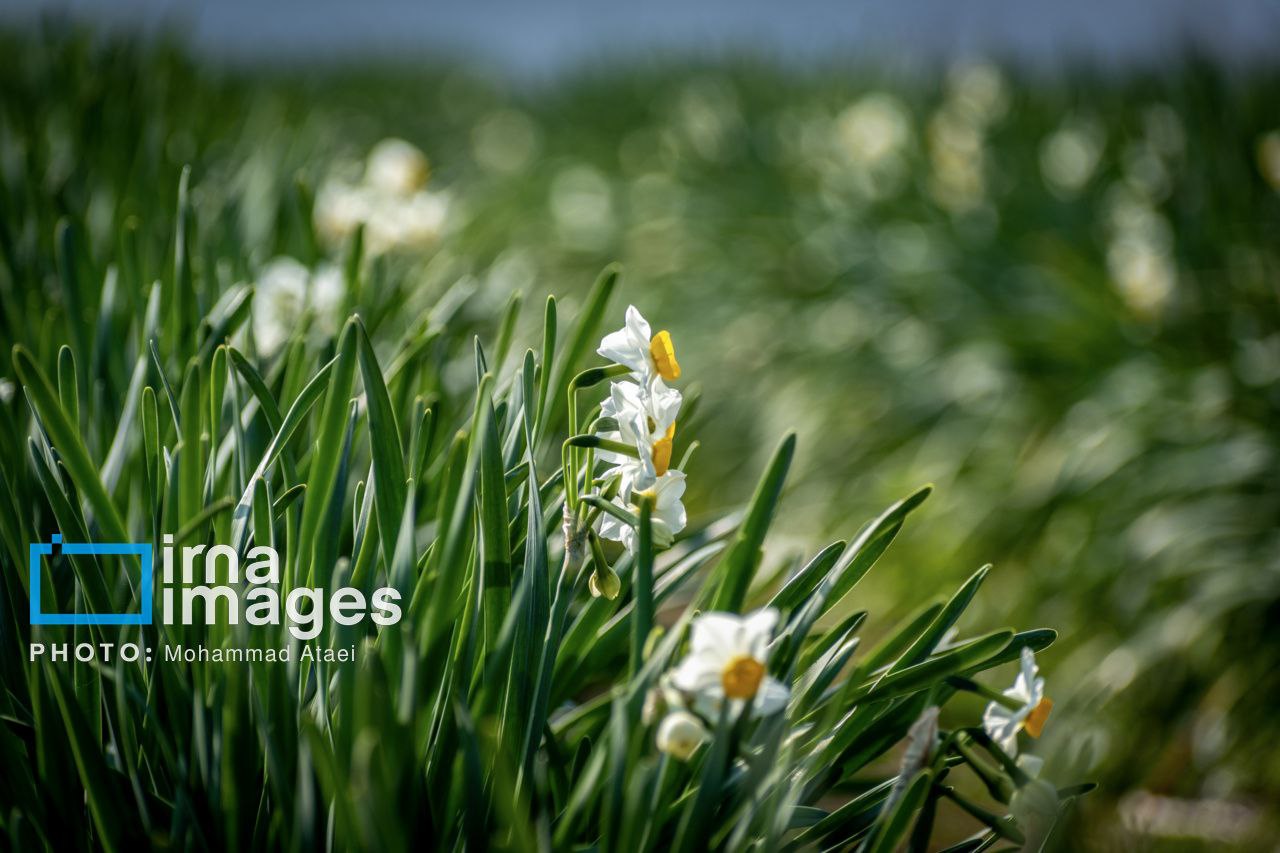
{"type": "Point", "coordinates": [1054, 298]}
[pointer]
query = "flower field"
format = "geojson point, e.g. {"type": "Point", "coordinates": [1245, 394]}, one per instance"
{"type": "Point", "coordinates": [659, 536]}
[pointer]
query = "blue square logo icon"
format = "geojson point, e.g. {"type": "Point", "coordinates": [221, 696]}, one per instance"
{"type": "Point", "coordinates": [141, 550]}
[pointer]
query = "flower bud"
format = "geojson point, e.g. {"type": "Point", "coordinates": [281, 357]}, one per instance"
{"type": "Point", "coordinates": [604, 583]}
{"type": "Point", "coordinates": [680, 734]}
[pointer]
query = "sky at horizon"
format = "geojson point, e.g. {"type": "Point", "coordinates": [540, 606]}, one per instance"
{"type": "Point", "coordinates": [543, 38]}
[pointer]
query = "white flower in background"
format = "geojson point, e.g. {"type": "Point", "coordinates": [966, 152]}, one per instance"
{"type": "Point", "coordinates": [874, 128]}
{"type": "Point", "coordinates": [391, 202]}
{"type": "Point", "coordinates": [680, 734]}
{"type": "Point", "coordinates": [727, 660]}
{"type": "Point", "coordinates": [634, 346]}
{"type": "Point", "coordinates": [646, 420]}
{"type": "Point", "coordinates": [284, 290]}
{"type": "Point", "coordinates": [7, 391]}
{"type": "Point", "coordinates": [1032, 709]}
{"type": "Point", "coordinates": [412, 223]}
{"type": "Point", "coordinates": [1069, 156]}
{"type": "Point", "coordinates": [1140, 253]}
{"type": "Point", "coordinates": [668, 516]}
{"type": "Point", "coordinates": [396, 167]}
{"type": "Point", "coordinates": [340, 208]}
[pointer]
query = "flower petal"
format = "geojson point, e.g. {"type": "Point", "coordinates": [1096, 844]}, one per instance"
{"type": "Point", "coordinates": [717, 633]}
{"type": "Point", "coordinates": [758, 628]}
{"type": "Point", "coordinates": [772, 697]}
{"type": "Point", "coordinates": [697, 673]}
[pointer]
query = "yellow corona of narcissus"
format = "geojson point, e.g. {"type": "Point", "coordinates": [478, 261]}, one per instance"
{"type": "Point", "coordinates": [1025, 709]}
{"type": "Point", "coordinates": [661, 454]}
{"type": "Point", "coordinates": [663, 353]}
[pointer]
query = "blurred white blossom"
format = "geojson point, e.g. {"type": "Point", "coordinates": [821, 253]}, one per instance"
{"type": "Point", "coordinates": [285, 289]}
{"type": "Point", "coordinates": [1069, 156]}
{"type": "Point", "coordinates": [873, 128]}
{"type": "Point", "coordinates": [391, 201]}
{"type": "Point", "coordinates": [397, 168]}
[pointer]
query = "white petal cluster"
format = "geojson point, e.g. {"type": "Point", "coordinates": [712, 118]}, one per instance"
{"type": "Point", "coordinates": [391, 201]}
{"type": "Point", "coordinates": [726, 667]}
{"type": "Point", "coordinates": [1003, 723]}
{"type": "Point", "coordinates": [644, 410]}
{"type": "Point", "coordinates": [644, 417]}
{"type": "Point", "coordinates": [284, 290]}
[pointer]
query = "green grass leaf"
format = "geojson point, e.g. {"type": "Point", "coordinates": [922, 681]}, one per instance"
{"type": "Point", "coordinates": [64, 436]}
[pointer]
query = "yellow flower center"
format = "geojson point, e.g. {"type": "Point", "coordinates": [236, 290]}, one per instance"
{"type": "Point", "coordinates": [662, 451]}
{"type": "Point", "coordinates": [741, 677]}
{"type": "Point", "coordinates": [664, 356]}
{"type": "Point", "coordinates": [1034, 724]}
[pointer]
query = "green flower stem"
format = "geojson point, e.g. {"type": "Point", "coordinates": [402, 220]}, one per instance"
{"type": "Point", "coordinates": [1010, 766]}
{"type": "Point", "coordinates": [595, 375]}
{"type": "Point", "coordinates": [998, 785]}
{"type": "Point", "coordinates": [571, 461]}
{"type": "Point", "coordinates": [1003, 827]}
{"type": "Point", "coordinates": [612, 509]}
{"type": "Point", "coordinates": [595, 441]}
{"type": "Point", "coordinates": [642, 617]}
{"type": "Point", "coordinates": [586, 379]}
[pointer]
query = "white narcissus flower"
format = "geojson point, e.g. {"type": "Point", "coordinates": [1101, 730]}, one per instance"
{"type": "Point", "coordinates": [409, 223]}
{"type": "Point", "coordinates": [727, 660]}
{"type": "Point", "coordinates": [668, 515]}
{"type": "Point", "coordinates": [644, 410]}
{"type": "Point", "coordinates": [391, 202]}
{"type": "Point", "coordinates": [1032, 709]}
{"type": "Point", "coordinates": [646, 420]}
{"type": "Point", "coordinates": [634, 346]}
{"type": "Point", "coordinates": [284, 290]}
{"type": "Point", "coordinates": [340, 208]}
{"type": "Point", "coordinates": [396, 167]}
{"type": "Point", "coordinates": [680, 734]}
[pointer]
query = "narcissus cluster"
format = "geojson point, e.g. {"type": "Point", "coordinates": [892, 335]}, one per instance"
{"type": "Point", "coordinates": [643, 410]}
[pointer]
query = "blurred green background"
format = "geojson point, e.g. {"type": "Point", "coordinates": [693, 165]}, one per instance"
{"type": "Point", "coordinates": [1052, 295]}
